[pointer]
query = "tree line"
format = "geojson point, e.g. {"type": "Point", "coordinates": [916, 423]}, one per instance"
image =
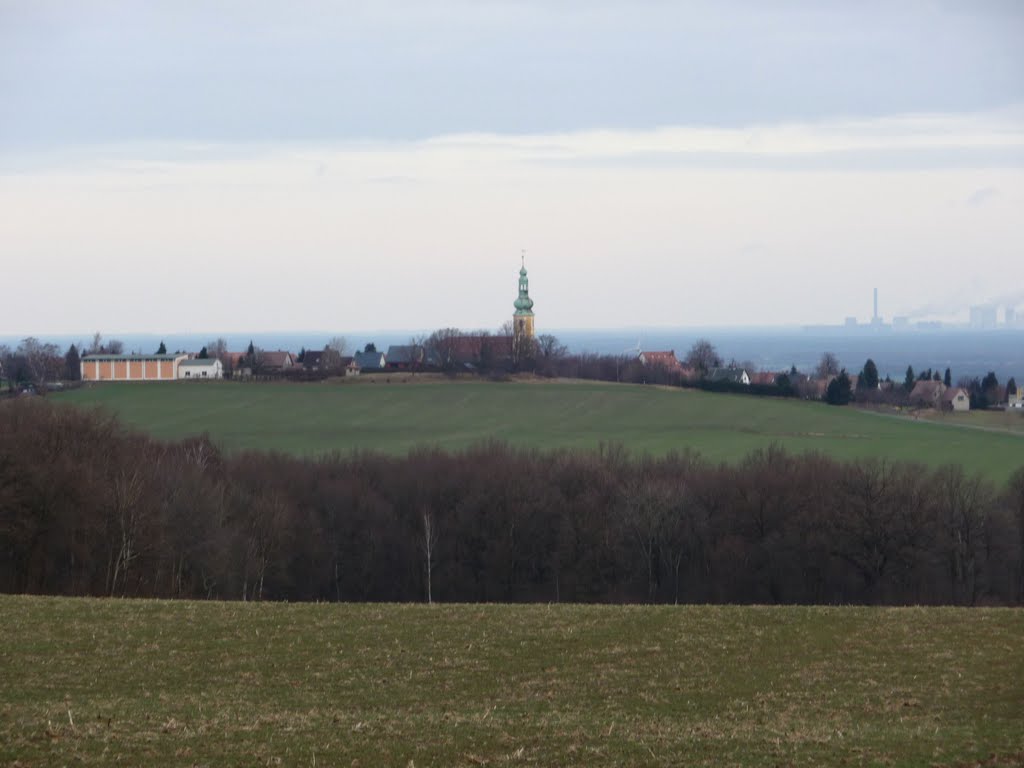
{"type": "Point", "coordinates": [446, 350]}
{"type": "Point", "coordinates": [90, 508]}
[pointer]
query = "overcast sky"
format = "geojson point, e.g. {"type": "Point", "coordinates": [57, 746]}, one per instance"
{"type": "Point", "coordinates": [245, 166]}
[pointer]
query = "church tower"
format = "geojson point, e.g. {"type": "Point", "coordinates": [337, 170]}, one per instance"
{"type": "Point", "coordinates": [522, 320]}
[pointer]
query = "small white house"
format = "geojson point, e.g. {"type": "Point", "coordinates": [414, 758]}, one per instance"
{"type": "Point", "coordinates": [209, 368]}
{"type": "Point", "coordinates": [729, 376]}
{"type": "Point", "coordinates": [1015, 399]}
{"type": "Point", "coordinates": [956, 399]}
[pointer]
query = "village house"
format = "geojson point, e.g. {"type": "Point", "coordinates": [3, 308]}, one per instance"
{"type": "Point", "coordinates": [469, 351]}
{"type": "Point", "coordinates": [201, 368]}
{"type": "Point", "coordinates": [404, 357]}
{"type": "Point", "coordinates": [927, 394]}
{"type": "Point", "coordinates": [956, 399]}
{"type": "Point", "coordinates": [764, 378]}
{"type": "Point", "coordinates": [666, 360]}
{"type": "Point", "coordinates": [311, 359]}
{"type": "Point", "coordinates": [729, 375]}
{"type": "Point", "coordinates": [236, 365]}
{"type": "Point", "coordinates": [278, 360]}
{"type": "Point", "coordinates": [370, 361]}
{"type": "Point", "coordinates": [1015, 397]}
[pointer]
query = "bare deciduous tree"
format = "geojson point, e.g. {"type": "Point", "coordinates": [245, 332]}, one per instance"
{"type": "Point", "coordinates": [963, 507]}
{"type": "Point", "coordinates": [443, 346]}
{"type": "Point", "coordinates": [338, 344]}
{"type": "Point", "coordinates": [828, 366]}
{"type": "Point", "coordinates": [41, 362]}
{"type": "Point", "coordinates": [219, 349]}
{"type": "Point", "coordinates": [703, 356]}
{"type": "Point", "coordinates": [520, 346]}
{"type": "Point", "coordinates": [429, 544]}
{"type": "Point", "coordinates": [330, 359]}
{"type": "Point", "coordinates": [128, 488]}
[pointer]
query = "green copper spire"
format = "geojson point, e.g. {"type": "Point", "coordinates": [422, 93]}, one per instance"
{"type": "Point", "coordinates": [524, 304]}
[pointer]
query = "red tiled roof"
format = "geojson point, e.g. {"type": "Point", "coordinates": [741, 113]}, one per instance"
{"type": "Point", "coordinates": [467, 349]}
{"type": "Point", "coordinates": [662, 360]}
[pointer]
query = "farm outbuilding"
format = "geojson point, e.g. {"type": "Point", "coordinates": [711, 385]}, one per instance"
{"type": "Point", "coordinates": [130, 367]}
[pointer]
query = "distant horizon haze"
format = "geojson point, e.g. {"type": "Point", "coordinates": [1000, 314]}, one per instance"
{"type": "Point", "coordinates": [965, 351]}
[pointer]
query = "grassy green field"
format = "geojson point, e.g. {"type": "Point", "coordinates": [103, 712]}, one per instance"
{"type": "Point", "coordinates": [310, 419]}
{"type": "Point", "coordinates": [103, 682]}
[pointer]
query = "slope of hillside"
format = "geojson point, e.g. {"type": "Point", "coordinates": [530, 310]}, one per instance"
{"type": "Point", "coordinates": [393, 417]}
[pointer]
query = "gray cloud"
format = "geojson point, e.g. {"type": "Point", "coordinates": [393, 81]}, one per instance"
{"type": "Point", "coordinates": [260, 71]}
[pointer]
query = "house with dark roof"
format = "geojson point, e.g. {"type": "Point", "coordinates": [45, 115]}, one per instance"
{"type": "Point", "coordinates": [728, 375]}
{"type": "Point", "coordinates": [370, 361]}
{"type": "Point", "coordinates": [311, 359]}
{"type": "Point", "coordinates": [278, 360]}
{"type": "Point", "coordinates": [405, 357]}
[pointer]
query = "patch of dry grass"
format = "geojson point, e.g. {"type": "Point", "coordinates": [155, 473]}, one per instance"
{"type": "Point", "coordinates": [100, 682]}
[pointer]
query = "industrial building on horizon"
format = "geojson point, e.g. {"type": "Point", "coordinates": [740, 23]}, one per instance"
{"type": "Point", "coordinates": [981, 317]}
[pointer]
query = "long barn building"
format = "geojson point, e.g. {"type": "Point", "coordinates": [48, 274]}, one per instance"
{"type": "Point", "coordinates": [131, 367]}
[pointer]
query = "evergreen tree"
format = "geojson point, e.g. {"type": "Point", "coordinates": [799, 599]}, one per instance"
{"type": "Point", "coordinates": [371, 347]}
{"type": "Point", "coordinates": [947, 379]}
{"type": "Point", "coordinates": [251, 351]}
{"type": "Point", "coordinates": [1011, 387]}
{"type": "Point", "coordinates": [302, 355]}
{"type": "Point", "coordinates": [990, 386]}
{"type": "Point", "coordinates": [868, 378]}
{"type": "Point", "coordinates": [203, 354]}
{"type": "Point", "coordinates": [72, 364]}
{"type": "Point", "coordinates": [162, 350]}
{"type": "Point", "coordinates": [936, 376]}
{"type": "Point", "coordinates": [908, 382]}
{"type": "Point", "coordinates": [838, 392]}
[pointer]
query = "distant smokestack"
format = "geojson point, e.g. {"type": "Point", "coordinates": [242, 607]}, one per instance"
{"type": "Point", "coordinates": [876, 306]}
